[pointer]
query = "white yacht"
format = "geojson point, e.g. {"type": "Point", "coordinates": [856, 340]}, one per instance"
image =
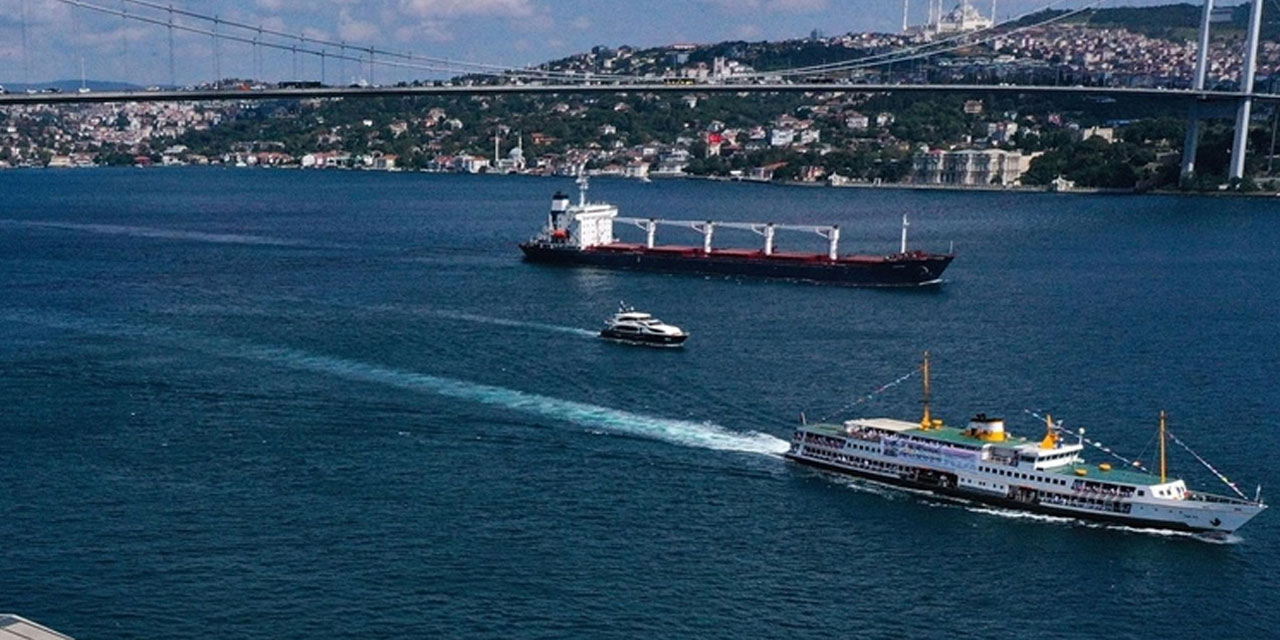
{"type": "Point", "coordinates": [637, 327]}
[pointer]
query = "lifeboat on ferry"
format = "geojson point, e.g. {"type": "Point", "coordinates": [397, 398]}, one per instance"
{"type": "Point", "coordinates": [985, 428]}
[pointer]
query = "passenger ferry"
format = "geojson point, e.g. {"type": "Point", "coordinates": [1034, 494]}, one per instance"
{"type": "Point", "coordinates": [983, 462]}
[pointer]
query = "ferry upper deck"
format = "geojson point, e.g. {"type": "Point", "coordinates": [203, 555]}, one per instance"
{"type": "Point", "coordinates": [1027, 455]}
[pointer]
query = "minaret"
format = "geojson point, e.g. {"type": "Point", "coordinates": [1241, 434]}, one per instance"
{"type": "Point", "coordinates": [496, 140]}
{"type": "Point", "coordinates": [906, 9]}
{"type": "Point", "coordinates": [993, 13]}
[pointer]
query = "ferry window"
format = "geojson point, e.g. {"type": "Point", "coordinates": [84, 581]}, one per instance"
{"type": "Point", "coordinates": [1141, 492]}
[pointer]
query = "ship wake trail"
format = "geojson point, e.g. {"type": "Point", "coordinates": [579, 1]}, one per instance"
{"type": "Point", "coordinates": [682, 432]}
{"type": "Point", "coordinates": [504, 322]}
{"type": "Point", "coordinates": [165, 234]}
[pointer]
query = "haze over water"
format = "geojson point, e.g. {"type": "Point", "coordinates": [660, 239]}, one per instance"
{"type": "Point", "coordinates": [276, 403]}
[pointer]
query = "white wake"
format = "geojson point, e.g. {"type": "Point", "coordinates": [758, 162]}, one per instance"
{"type": "Point", "coordinates": [682, 432]}
{"type": "Point", "coordinates": [165, 234]}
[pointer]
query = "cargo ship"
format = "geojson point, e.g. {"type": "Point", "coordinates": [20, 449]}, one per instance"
{"type": "Point", "coordinates": [582, 234]}
{"type": "Point", "coordinates": [984, 463]}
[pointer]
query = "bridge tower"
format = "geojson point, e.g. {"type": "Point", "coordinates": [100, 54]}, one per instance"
{"type": "Point", "coordinates": [1247, 74]}
{"type": "Point", "coordinates": [1244, 111]}
{"type": "Point", "coordinates": [1192, 143]}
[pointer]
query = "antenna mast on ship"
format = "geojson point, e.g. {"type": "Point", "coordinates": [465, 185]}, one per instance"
{"type": "Point", "coordinates": [584, 184]}
{"type": "Point", "coordinates": [1162, 456]}
{"type": "Point", "coordinates": [926, 422]}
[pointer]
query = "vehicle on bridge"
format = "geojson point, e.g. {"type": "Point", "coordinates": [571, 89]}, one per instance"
{"type": "Point", "coordinates": [300, 84]}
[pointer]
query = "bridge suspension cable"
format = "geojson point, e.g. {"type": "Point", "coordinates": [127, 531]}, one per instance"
{"type": "Point", "coordinates": [414, 60]}
{"type": "Point", "coordinates": [176, 26]}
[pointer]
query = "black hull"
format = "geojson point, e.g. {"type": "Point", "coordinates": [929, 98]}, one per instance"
{"type": "Point", "coordinates": [648, 341]}
{"type": "Point", "coordinates": [1015, 505]}
{"type": "Point", "coordinates": [909, 271]}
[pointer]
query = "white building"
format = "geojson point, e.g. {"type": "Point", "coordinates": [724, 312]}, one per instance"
{"type": "Point", "coordinates": [857, 121]}
{"type": "Point", "coordinates": [971, 167]}
{"type": "Point", "coordinates": [781, 137]}
{"type": "Point", "coordinates": [961, 19]}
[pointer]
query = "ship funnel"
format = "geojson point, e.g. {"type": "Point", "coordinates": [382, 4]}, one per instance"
{"type": "Point", "coordinates": [559, 206]}
{"type": "Point", "coordinates": [985, 428]}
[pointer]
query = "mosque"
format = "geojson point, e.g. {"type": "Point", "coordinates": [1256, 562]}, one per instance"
{"type": "Point", "coordinates": [963, 18]}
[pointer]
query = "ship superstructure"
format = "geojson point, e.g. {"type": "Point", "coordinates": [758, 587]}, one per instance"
{"type": "Point", "coordinates": [583, 234]}
{"type": "Point", "coordinates": [983, 462]}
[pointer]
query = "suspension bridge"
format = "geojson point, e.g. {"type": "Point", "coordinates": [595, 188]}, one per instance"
{"type": "Point", "coordinates": [331, 58]}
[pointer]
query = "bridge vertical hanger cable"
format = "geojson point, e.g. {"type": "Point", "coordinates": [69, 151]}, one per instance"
{"type": "Point", "coordinates": [26, 57]}
{"type": "Point", "coordinates": [79, 46]}
{"type": "Point", "coordinates": [217, 55]}
{"type": "Point", "coordinates": [173, 66]}
{"type": "Point", "coordinates": [257, 57]}
{"type": "Point", "coordinates": [124, 39]}
{"type": "Point", "coordinates": [342, 64]}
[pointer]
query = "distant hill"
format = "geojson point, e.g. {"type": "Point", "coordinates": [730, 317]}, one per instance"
{"type": "Point", "coordinates": [1173, 21]}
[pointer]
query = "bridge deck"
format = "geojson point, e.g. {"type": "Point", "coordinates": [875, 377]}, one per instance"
{"type": "Point", "coordinates": [375, 92]}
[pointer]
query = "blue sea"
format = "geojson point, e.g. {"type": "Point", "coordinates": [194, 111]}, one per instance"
{"type": "Point", "coordinates": [252, 403]}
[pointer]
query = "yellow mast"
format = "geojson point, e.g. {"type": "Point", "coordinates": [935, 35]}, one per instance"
{"type": "Point", "coordinates": [927, 421]}
{"type": "Point", "coordinates": [1050, 438]}
{"type": "Point", "coordinates": [1162, 458]}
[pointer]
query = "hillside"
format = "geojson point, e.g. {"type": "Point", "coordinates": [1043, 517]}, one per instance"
{"type": "Point", "coordinates": [1173, 21]}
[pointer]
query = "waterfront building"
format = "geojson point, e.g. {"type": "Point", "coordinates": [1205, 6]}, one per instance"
{"type": "Point", "coordinates": [970, 167]}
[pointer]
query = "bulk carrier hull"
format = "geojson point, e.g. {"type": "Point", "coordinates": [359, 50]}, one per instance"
{"type": "Point", "coordinates": [909, 270]}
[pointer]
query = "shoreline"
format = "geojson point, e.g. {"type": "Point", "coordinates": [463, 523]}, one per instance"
{"type": "Point", "coordinates": [1023, 189]}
